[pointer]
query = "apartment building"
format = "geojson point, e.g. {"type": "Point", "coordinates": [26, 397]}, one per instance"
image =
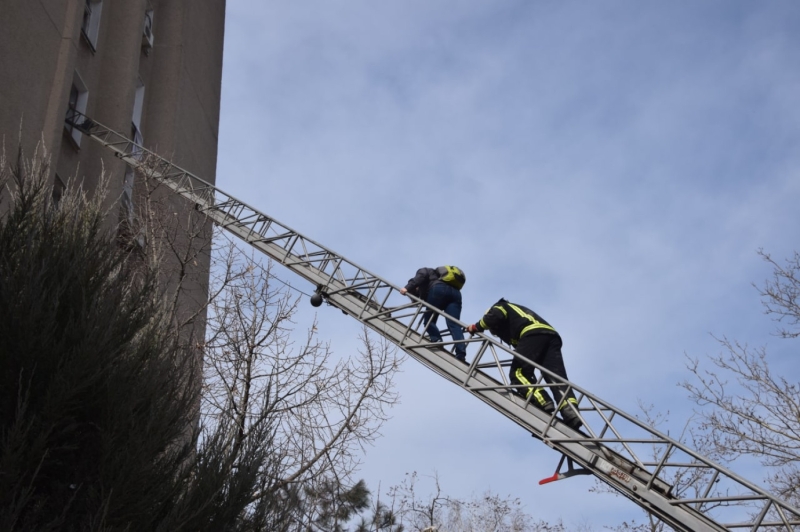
{"type": "Point", "coordinates": [151, 69]}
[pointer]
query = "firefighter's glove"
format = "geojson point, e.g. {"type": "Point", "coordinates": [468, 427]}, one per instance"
{"type": "Point", "coordinates": [472, 329]}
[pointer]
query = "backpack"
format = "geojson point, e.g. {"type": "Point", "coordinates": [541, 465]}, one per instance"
{"type": "Point", "coordinates": [452, 275]}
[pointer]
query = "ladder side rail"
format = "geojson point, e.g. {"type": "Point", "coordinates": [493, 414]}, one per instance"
{"type": "Point", "coordinates": [586, 452]}
{"type": "Point", "coordinates": [704, 500]}
{"type": "Point", "coordinates": [363, 309]}
{"type": "Point", "coordinates": [601, 411]}
{"type": "Point", "coordinates": [293, 240]}
{"type": "Point", "coordinates": [782, 515]}
{"type": "Point", "coordinates": [758, 494]}
{"type": "Point", "coordinates": [660, 465]}
{"type": "Point", "coordinates": [431, 361]}
{"type": "Point", "coordinates": [231, 213]}
{"type": "Point", "coordinates": [371, 297]}
{"type": "Point", "coordinates": [608, 425]}
{"type": "Point", "coordinates": [402, 341]}
{"type": "Point", "coordinates": [660, 438]}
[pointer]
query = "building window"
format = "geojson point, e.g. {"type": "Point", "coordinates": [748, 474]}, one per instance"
{"type": "Point", "coordinates": [147, 33]}
{"type": "Point", "coordinates": [136, 136]}
{"type": "Point", "coordinates": [91, 21]}
{"type": "Point", "coordinates": [58, 189]}
{"type": "Point", "coordinates": [138, 104]}
{"type": "Point", "coordinates": [78, 98]}
{"type": "Point", "coordinates": [128, 178]}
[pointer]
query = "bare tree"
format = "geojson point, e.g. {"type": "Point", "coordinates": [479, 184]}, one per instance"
{"type": "Point", "coordinates": [757, 415]}
{"type": "Point", "coordinates": [683, 480]}
{"type": "Point", "coordinates": [166, 229]}
{"type": "Point", "coordinates": [108, 422]}
{"type": "Point", "coordinates": [417, 512]}
{"type": "Point", "coordinates": [438, 512]}
{"type": "Point", "coordinates": [317, 411]}
{"type": "Point", "coordinates": [747, 409]}
{"type": "Point", "coordinates": [781, 294]}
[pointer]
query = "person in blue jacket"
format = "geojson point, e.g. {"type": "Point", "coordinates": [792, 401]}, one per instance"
{"type": "Point", "coordinates": [441, 288]}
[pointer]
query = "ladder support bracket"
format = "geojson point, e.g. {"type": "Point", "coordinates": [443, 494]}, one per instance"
{"type": "Point", "coordinates": [570, 472]}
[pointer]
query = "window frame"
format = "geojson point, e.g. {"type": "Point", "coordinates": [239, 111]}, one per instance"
{"type": "Point", "coordinates": [136, 136]}
{"type": "Point", "coordinates": [59, 186]}
{"type": "Point", "coordinates": [90, 28]}
{"type": "Point", "coordinates": [78, 101]}
{"type": "Point", "coordinates": [147, 32]}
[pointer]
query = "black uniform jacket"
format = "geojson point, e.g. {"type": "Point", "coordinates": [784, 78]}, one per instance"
{"type": "Point", "coordinates": [421, 282]}
{"type": "Point", "coordinates": [509, 322]}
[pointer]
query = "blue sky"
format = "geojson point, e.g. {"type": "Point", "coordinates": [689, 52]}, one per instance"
{"type": "Point", "coordinates": [613, 165]}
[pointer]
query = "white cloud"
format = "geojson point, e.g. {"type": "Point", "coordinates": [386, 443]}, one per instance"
{"type": "Point", "coordinates": [613, 165]}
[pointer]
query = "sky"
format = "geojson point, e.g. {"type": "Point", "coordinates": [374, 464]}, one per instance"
{"type": "Point", "coordinates": [616, 166]}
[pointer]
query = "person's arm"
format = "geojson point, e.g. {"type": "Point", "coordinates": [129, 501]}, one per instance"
{"type": "Point", "coordinates": [416, 282]}
{"type": "Point", "coordinates": [492, 318]}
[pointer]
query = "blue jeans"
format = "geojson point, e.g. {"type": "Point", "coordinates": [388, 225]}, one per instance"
{"type": "Point", "coordinates": [448, 299]}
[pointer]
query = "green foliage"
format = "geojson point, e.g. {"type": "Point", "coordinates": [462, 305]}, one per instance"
{"type": "Point", "coordinates": [98, 403]}
{"type": "Point", "coordinates": [85, 369]}
{"type": "Point", "coordinates": [336, 504]}
{"type": "Point", "coordinates": [102, 426]}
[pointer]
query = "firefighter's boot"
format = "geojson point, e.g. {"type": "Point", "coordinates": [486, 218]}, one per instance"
{"type": "Point", "coordinates": [571, 417]}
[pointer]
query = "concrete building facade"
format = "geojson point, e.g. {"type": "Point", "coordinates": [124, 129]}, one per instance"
{"type": "Point", "coordinates": [148, 68]}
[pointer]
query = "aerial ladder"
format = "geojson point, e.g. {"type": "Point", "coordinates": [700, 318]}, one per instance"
{"type": "Point", "coordinates": [627, 454]}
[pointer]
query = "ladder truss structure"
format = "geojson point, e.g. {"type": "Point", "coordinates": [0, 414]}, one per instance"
{"type": "Point", "coordinates": [665, 477]}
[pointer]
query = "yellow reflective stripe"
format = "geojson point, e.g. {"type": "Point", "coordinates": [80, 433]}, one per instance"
{"type": "Point", "coordinates": [535, 325]}
{"type": "Point", "coordinates": [520, 377]}
{"type": "Point", "coordinates": [568, 400]}
{"type": "Point", "coordinates": [483, 323]}
{"type": "Point", "coordinates": [537, 392]}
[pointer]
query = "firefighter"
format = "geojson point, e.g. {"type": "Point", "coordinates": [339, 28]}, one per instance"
{"type": "Point", "coordinates": [441, 288]}
{"type": "Point", "coordinates": [535, 340]}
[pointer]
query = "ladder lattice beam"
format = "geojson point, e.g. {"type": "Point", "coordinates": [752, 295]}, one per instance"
{"type": "Point", "coordinates": [612, 440]}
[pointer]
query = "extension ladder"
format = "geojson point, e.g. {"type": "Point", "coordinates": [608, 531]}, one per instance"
{"type": "Point", "coordinates": [614, 446]}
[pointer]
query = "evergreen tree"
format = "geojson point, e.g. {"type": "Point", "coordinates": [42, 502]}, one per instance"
{"type": "Point", "coordinates": [97, 401]}
{"type": "Point", "coordinates": [102, 422]}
